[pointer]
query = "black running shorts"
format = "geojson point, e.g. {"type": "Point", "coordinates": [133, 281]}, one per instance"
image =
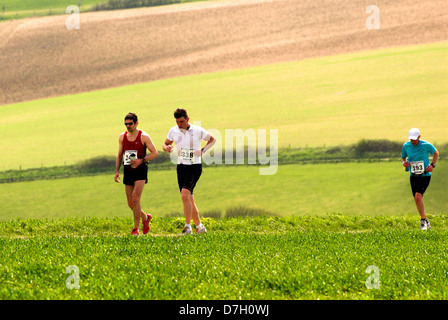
{"type": "Point", "coordinates": [188, 176]}
{"type": "Point", "coordinates": [131, 175]}
{"type": "Point", "coordinates": [419, 184]}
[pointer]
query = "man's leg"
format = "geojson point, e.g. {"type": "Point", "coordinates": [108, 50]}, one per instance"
{"type": "Point", "coordinates": [129, 190]}
{"type": "Point", "coordinates": [189, 179]}
{"type": "Point", "coordinates": [133, 194]}
{"type": "Point", "coordinates": [194, 211]}
{"type": "Point", "coordinates": [420, 205]}
{"type": "Point", "coordinates": [186, 201]}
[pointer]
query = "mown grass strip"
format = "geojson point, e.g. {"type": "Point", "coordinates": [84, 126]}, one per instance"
{"type": "Point", "coordinates": [380, 188]}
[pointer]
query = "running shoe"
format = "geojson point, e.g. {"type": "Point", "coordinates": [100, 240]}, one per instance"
{"type": "Point", "coordinates": [424, 225]}
{"type": "Point", "coordinates": [146, 226]}
{"type": "Point", "coordinates": [201, 230]}
{"type": "Point", "coordinates": [185, 231]}
{"type": "Point", "coordinates": [134, 232]}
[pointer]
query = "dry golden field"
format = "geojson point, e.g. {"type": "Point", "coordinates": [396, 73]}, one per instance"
{"type": "Point", "coordinates": [40, 57]}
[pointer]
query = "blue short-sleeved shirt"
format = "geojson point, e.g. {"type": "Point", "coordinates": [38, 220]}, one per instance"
{"type": "Point", "coordinates": [418, 153]}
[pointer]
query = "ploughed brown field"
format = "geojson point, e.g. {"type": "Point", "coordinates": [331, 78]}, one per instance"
{"type": "Point", "coordinates": [40, 57]}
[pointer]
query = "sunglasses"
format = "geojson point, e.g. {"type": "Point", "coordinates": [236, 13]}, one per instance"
{"type": "Point", "coordinates": [129, 123]}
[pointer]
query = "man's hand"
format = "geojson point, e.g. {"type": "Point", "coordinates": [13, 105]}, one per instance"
{"type": "Point", "coordinates": [429, 168]}
{"type": "Point", "coordinates": [135, 163]}
{"type": "Point", "coordinates": [198, 153]}
{"type": "Point", "coordinates": [117, 176]}
{"type": "Point", "coordinates": [406, 164]}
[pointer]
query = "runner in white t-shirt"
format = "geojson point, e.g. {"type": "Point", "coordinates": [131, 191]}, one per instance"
{"type": "Point", "coordinates": [187, 138]}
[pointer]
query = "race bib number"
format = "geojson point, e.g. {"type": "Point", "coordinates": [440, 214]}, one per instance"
{"type": "Point", "coordinates": [129, 155]}
{"type": "Point", "coordinates": [187, 155]}
{"type": "Point", "coordinates": [417, 167]}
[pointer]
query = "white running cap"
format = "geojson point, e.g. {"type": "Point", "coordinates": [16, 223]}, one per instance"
{"type": "Point", "coordinates": [414, 133]}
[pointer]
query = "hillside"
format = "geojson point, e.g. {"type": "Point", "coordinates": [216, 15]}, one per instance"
{"type": "Point", "coordinates": [41, 58]}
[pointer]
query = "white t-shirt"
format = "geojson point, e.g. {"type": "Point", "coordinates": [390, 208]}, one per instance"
{"type": "Point", "coordinates": [188, 143]}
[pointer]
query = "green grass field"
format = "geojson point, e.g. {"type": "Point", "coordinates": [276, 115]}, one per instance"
{"type": "Point", "coordinates": [324, 101]}
{"type": "Point", "coordinates": [28, 5]}
{"type": "Point", "coordinates": [240, 258]}
{"type": "Point", "coordinates": [324, 224]}
{"type": "Point", "coordinates": [317, 189]}
{"type": "Point", "coordinates": [31, 8]}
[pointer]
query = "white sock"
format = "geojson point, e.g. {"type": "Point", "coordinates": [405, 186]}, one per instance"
{"type": "Point", "coordinates": [188, 225]}
{"type": "Point", "coordinates": [199, 226]}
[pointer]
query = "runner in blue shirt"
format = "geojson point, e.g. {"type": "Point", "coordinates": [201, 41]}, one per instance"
{"type": "Point", "coordinates": [414, 155]}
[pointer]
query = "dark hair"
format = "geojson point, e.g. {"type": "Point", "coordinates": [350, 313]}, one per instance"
{"type": "Point", "coordinates": [131, 116]}
{"type": "Point", "coordinates": [179, 112]}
